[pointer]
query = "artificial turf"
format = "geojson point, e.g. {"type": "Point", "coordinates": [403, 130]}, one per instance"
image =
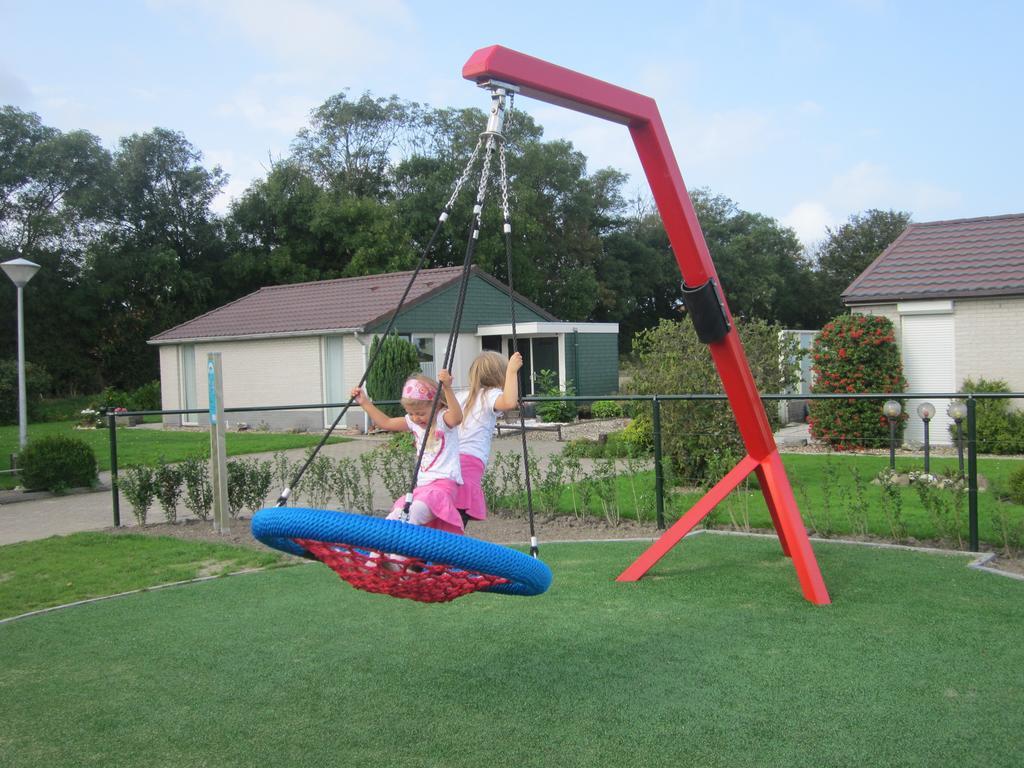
{"type": "Point", "coordinates": [714, 659]}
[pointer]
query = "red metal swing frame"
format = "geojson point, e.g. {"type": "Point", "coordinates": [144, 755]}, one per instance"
{"type": "Point", "coordinates": [557, 85]}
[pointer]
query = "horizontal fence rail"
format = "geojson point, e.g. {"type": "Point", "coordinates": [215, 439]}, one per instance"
{"type": "Point", "coordinates": [969, 444]}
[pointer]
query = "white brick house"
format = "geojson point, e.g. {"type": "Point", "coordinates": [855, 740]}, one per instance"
{"type": "Point", "coordinates": [308, 343]}
{"type": "Point", "coordinates": [954, 291]}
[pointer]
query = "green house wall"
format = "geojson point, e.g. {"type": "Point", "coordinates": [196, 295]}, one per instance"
{"type": "Point", "coordinates": [592, 363]}
{"type": "Point", "coordinates": [485, 305]}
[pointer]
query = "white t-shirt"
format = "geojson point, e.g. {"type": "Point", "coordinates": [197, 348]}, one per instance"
{"type": "Point", "coordinates": [477, 428]}
{"type": "Point", "coordinates": [441, 461]}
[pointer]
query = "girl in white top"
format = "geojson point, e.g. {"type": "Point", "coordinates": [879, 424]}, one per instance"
{"type": "Point", "coordinates": [493, 389]}
{"type": "Point", "coordinates": [438, 481]}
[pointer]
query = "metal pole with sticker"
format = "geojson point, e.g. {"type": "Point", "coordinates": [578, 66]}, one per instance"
{"type": "Point", "coordinates": [218, 449]}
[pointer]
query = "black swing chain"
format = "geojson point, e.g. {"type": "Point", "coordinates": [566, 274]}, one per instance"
{"type": "Point", "coordinates": [282, 499]}
{"type": "Point", "coordinates": [494, 139]}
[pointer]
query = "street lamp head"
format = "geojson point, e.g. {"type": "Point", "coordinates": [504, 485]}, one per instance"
{"type": "Point", "coordinates": [892, 409]}
{"type": "Point", "coordinates": [926, 411]}
{"type": "Point", "coordinates": [957, 410]}
{"type": "Point", "coordinates": [20, 270]}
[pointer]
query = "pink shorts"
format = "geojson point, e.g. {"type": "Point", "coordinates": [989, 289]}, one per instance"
{"type": "Point", "coordinates": [439, 496]}
{"type": "Point", "coordinates": [471, 496]}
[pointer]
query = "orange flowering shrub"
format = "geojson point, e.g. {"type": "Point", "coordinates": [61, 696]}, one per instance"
{"type": "Point", "coordinates": [855, 354]}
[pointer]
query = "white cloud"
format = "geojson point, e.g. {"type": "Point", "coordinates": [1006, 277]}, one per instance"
{"type": "Point", "coordinates": [13, 90]}
{"type": "Point", "coordinates": [869, 185]}
{"type": "Point", "coordinates": [315, 32]}
{"type": "Point", "coordinates": [275, 101]}
{"type": "Point", "coordinates": [809, 219]}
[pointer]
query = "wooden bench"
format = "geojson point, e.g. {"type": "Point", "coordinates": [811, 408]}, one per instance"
{"type": "Point", "coordinates": [515, 428]}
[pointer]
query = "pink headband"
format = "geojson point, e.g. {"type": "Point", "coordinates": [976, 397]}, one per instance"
{"type": "Point", "coordinates": [415, 389]}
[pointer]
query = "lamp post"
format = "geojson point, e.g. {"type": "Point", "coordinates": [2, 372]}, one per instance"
{"type": "Point", "coordinates": [957, 411]}
{"type": "Point", "coordinates": [21, 271]}
{"type": "Point", "coordinates": [926, 411]}
{"type": "Point", "coordinates": [892, 410]}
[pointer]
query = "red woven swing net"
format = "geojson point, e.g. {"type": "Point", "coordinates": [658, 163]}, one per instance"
{"type": "Point", "coordinates": [387, 574]}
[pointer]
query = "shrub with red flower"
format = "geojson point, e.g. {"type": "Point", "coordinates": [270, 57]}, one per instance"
{"type": "Point", "coordinates": [855, 354]}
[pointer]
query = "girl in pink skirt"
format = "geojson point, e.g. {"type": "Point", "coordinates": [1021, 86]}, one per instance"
{"type": "Point", "coordinates": [493, 389]}
{"type": "Point", "coordinates": [433, 503]}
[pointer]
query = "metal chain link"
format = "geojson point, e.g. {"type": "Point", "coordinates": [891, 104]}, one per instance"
{"type": "Point", "coordinates": [485, 175]}
{"type": "Point", "coordinates": [504, 187]}
{"type": "Point", "coordinates": [465, 173]}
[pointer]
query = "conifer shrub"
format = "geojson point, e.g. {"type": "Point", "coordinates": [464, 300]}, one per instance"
{"type": "Point", "coordinates": [855, 354]}
{"type": "Point", "coordinates": [394, 363]}
{"type": "Point", "coordinates": [57, 463]}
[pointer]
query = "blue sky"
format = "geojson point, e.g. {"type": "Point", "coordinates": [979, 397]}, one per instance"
{"type": "Point", "coordinates": [804, 111]}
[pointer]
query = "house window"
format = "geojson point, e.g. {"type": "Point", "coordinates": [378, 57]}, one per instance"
{"type": "Point", "coordinates": [188, 383]}
{"type": "Point", "coordinates": [425, 350]}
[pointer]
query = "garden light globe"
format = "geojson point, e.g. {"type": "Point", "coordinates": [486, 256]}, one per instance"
{"type": "Point", "coordinates": [957, 410]}
{"type": "Point", "coordinates": [892, 409]}
{"type": "Point", "coordinates": [926, 411]}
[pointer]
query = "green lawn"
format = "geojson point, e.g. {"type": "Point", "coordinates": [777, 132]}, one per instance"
{"type": "Point", "coordinates": [63, 569]}
{"type": "Point", "coordinates": [815, 476]}
{"type": "Point", "coordinates": [146, 446]}
{"type": "Point", "coordinates": [712, 660]}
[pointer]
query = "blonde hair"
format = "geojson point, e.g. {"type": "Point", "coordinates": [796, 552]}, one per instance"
{"type": "Point", "coordinates": [486, 372]}
{"type": "Point", "coordinates": [408, 402]}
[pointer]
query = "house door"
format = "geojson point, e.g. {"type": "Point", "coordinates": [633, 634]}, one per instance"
{"type": "Point", "coordinates": [188, 384]}
{"type": "Point", "coordinates": [927, 349]}
{"type": "Point", "coordinates": [545, 357]}
{"type": "Point", "coordinates": [334, 377]}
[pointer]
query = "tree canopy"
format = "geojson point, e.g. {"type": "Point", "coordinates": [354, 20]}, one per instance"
{"type": "Point", "coordinates": [130, 245]}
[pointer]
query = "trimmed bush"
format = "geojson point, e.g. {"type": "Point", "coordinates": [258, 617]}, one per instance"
{"type": "Point", "coordinates": [606, 409]}
{"type": "Point", "coordinates": [168, 480]}
{"type": "Point", "coordinates": [57, 463]}
{"type": "Point", "coordinates": [855, 353]}
{"type": "Point", "coordinates": [639, 436]}
{"type": "Point", "coordinates": [137, 483]}
{"type": "Point", "coordinates": [999, 429]}
{"type": "Point", "coordinates": [146, 397]}
{"type": "Point", "coordinates": [1017, 486]}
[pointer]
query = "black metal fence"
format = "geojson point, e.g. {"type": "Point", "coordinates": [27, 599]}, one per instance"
{"type": "Point", "coordinates": [967, 442]}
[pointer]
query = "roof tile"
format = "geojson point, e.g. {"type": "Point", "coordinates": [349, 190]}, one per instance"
{"type": "Point", "coordinates": [343, 304]}
{"type": "Point", "coordinates": [947, 259]}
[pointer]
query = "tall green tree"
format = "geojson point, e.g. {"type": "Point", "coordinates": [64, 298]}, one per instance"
{"type": "Point", "coordinates": [847, 251]}
{"type": "Point", "coordinates": [760, 263]}
{"type": "Point", "coordinates": [158, 262]}
{"type": "Point", "coordinates": [349, 144]}
{"type": "Point", "coordinates": [52, 185]}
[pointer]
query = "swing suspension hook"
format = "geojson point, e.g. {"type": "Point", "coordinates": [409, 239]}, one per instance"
{"type": "Point", "coordinates": [502, 96]}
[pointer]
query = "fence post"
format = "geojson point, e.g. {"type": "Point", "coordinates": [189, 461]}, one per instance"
{"type": "Point", "coordinates": [972, 474]}
{"type": "Point", "coordinates": [659, 475]}
{"type": "Point", "coordinates": [218, 450]}
{"type": "Point", "coordinates": [112, 431]}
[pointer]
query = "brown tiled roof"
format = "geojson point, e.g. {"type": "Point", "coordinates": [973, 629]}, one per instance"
{"type": "Point", "coordinates": [947, 260]}
{"type": "Point", "coordinates": [346, 304]}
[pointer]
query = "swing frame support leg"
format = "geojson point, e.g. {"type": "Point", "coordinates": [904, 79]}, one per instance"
{"type": "Point", "coordinates": [563, 87]}
{"type": "Point", "coordinates": [785, 517]}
